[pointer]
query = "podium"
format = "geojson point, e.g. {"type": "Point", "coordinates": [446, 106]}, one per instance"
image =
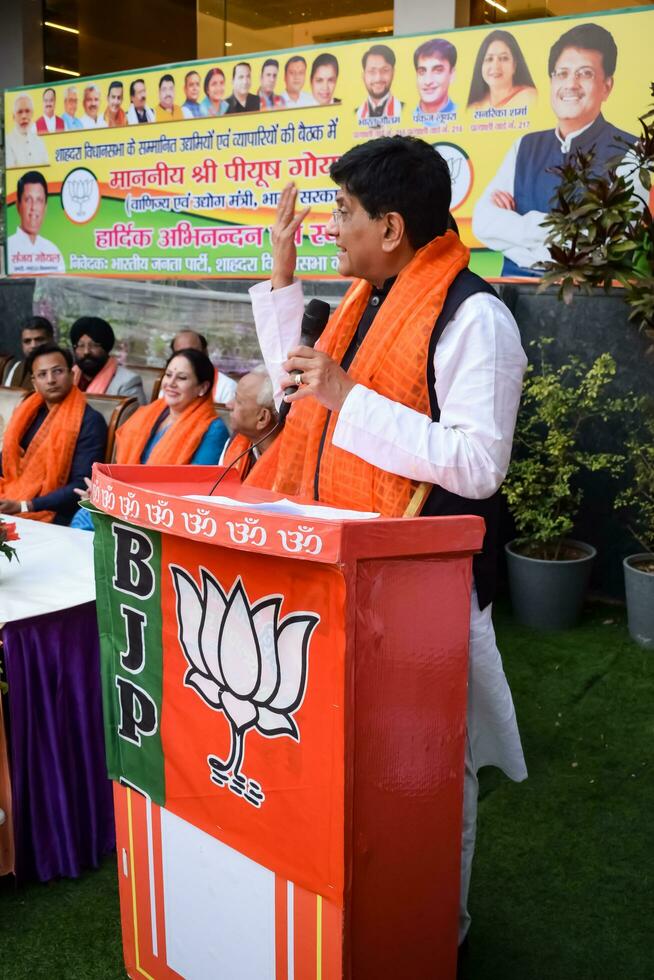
{"type": "Point", "coordinates": [284, 706]}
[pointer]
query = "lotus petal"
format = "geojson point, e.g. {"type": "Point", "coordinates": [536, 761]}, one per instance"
{"type": "Point", "coordinates": [292, 650]}
{"type": "Point", "coordinates": [214, 612]}
{"type": "Point", "coordinates": [238, 650]}
{"type": "Point", "coordinates": [242, 713]}
{"type": "Point", "coordinates": [205, 686]}
{"type": "Point", "coordinates": [265, 626]}
{"type": "Point", "coordinates": [189, 617]}
{"type": "Point", "coordinates": [275, 723]}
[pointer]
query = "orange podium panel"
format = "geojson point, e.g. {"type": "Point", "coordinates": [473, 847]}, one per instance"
{"type": "Point", "coordinates": [284, 694]}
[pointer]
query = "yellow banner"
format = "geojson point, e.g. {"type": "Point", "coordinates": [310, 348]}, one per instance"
{"type": "Point", "coordinates": [175, 171]}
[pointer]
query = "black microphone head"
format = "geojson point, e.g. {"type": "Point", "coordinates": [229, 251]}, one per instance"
{"type": "Point", "coordinates": [314, 321]}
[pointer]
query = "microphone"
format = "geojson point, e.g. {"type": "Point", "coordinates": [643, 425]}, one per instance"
{"type": "Point", "coordinates": [314, 322]}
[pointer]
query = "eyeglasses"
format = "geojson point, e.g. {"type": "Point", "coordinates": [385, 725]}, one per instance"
{"type": "Point", "coordinates": [87, 348]}
{"type": "Point", "coordinates": [338, 216]}
{"type": "Point", "coordinates": [580, 74]}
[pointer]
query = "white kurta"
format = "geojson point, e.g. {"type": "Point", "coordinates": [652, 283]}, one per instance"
{"type": "Point", "coordinates": [479, 365]}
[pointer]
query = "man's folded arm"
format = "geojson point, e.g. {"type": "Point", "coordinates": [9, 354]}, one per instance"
{"type": "Point", "coordinates": [501, 228]}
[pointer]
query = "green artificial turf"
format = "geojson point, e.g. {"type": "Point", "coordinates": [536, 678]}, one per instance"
{"type": "Point", "coordinates": [562, 884]}
{"type": "Point", "coordinates": [562, 881]}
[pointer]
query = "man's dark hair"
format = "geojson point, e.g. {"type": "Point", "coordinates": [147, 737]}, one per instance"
{"type": "Point", "coordinates": [132, 87]}
{"type": "Point", "coordinates": [589, 37]}
{"type": "Point", "coordinates": [31, 177]}
{"type": "Point", "coordinates": [291, 61]}
{"type": "Point", "coordinates": [383, 51]}
{"type": "Point", "coordinates": [49, 348]}
{"type": "Point", "coordinates": [39, 323]}
{"type": "Point", "coordinates": [115, 84]}
{"type": "Point", "coordinates": [241, 64]}
{"type": "Point", "coordinates": [268, 63]}
{"type": "Point", "coordinates": [46, 90]}
{"type": "Point", "coordinates": [189, 73]}
{"type": "Point", "coordinates": [403, 174]}
{"type": "Point", "coordinates": [199, 361]}
{"type": "Point", "coordinates": [166, 78]}
{"type": "Point", "coordinates": [201, 337]}
{"type": "Point", "coordinates": [321, 60]}
{"type": "Point", "coordinates": [438, 47]}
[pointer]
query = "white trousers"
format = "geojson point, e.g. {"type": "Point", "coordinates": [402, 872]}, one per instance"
{"type": "Point", "coordinates": [492, 737]}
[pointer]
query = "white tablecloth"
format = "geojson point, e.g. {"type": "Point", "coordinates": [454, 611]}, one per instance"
{"type": "Point", "coordinates": [55, 570]}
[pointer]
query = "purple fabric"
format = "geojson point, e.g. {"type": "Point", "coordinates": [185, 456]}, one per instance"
{"type": "Point", "coordinates": [62, 799]}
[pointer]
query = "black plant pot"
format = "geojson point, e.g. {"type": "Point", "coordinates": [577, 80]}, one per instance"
{"type": "Point", "coordinates": [548, 595]}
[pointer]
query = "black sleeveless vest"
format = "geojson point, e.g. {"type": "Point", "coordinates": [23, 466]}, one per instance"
{"type": "Point", "coordinates": [441, 502]}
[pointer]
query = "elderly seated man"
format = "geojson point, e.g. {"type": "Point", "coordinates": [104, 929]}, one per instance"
{"type": "Point", "coordinates": [50, 443]}
{"type": "Point", "coordinates": [224, 387]}
{"type": "Point", "coordinates": [95, 371]}
{"type": "Point", "coordinates": [35, 331]}
{"type": "Point", "coordinates": [254, 424]}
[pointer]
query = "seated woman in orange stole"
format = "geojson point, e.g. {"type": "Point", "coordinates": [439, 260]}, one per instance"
{"type": "Point", "coordinates": [178, 429]}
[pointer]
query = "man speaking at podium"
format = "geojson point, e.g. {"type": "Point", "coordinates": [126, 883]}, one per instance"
{"type": "Point", "coordinates": [416, 378]}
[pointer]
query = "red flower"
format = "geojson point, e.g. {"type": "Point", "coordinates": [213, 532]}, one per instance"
{"type": "Point", "coordinates": [10, 532]}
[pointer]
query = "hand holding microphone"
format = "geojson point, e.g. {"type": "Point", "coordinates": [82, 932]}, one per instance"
{"type": "Point", "coordinates": [312, 372]}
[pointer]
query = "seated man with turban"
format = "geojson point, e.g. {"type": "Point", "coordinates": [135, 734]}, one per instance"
{"type": "Point", "coordinates": [51, 442]}
{"type": "Point", "coordinates": [95, 370]}
{"type": "Point", "coordinates": [254, 424]}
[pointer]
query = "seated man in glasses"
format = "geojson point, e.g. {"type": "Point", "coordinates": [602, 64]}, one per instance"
{"type": "Point", "coordinates": [508, 216]}
{"type": "Point", "coordinates": [95, 370]}
{"type": "Point", "coordinates": [51, 442]}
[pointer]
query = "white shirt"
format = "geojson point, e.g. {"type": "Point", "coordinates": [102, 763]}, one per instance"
{"type": "Point", "coordinates": [521, 237]}
{"type": "Point", "coordinates": [88, 122]}
{"type": "Point", "coordinates": [225, 388]}
{"type": "Point", "coordinates": [50, 123]}
{"type": "Point", "coordinates": [25, 149]}
{"type": "Point", "coordinates": [133, 119]}
{"type": "Point", "coordinates": [32, 258]}
{"type": "Point", "coordinates": [479, 365]}
{"type": "Point", "coordinates": [303, 99]}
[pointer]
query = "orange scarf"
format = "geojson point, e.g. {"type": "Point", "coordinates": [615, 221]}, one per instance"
{"type": "Point", "coordinates": [392, 360]}
{"type": "Point", "coordinates": [101, 381]}
{"type": "Point", "coordinates": [180, 440]}
{"type": "Point", "coordinates": [121, 119]}
{"type": "Point", "coordinates": [45, 465]}
{"type": "Point", "coordinates": [263, 471]}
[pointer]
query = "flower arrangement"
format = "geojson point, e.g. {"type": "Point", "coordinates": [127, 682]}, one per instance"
{"type": "Point", "coordinates": [8, 533]}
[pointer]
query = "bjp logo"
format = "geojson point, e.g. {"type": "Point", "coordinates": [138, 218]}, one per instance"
{"type": "Point", "coordinates": [244, 661]}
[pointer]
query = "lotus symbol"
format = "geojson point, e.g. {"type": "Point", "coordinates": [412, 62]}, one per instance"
{"type": "Point", "coordinates": [81, 189]}
{"type": "Point", "coordinates": [244, 661]}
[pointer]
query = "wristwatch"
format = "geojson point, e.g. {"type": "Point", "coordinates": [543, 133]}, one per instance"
{"type": "Point", "coordinates": [24, 507]}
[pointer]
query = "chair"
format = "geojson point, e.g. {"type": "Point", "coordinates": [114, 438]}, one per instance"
{"type": "Point", "coordinates": [9, 399]}
{"type": "Point", "coordinates": [7, 361]}
{"type": "Point", "coordinates": [151, 378]}
{"type": "Point", "coordinates": [115, 410]}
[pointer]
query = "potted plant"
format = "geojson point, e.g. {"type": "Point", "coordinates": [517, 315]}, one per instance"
{"type": "Point", "coordinates": [638, 501]}
{"type": "Point", "coordinates": [548, 570]}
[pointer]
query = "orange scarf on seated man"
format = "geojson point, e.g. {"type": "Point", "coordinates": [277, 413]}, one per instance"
{"type": "Point", "coordinates": [262, 473]}
{"type": "Point", "coordinates": [45, 465]}
{"type": "Point", "coordinates": [392, 360]}
{"type": "Point", "coordinates": [99, 384]}
{"type": "Point", "coordinates": [180, 440]}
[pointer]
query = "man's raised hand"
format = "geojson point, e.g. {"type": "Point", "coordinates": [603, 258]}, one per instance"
{"type": "Point", "coordinates": [284, 250]}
